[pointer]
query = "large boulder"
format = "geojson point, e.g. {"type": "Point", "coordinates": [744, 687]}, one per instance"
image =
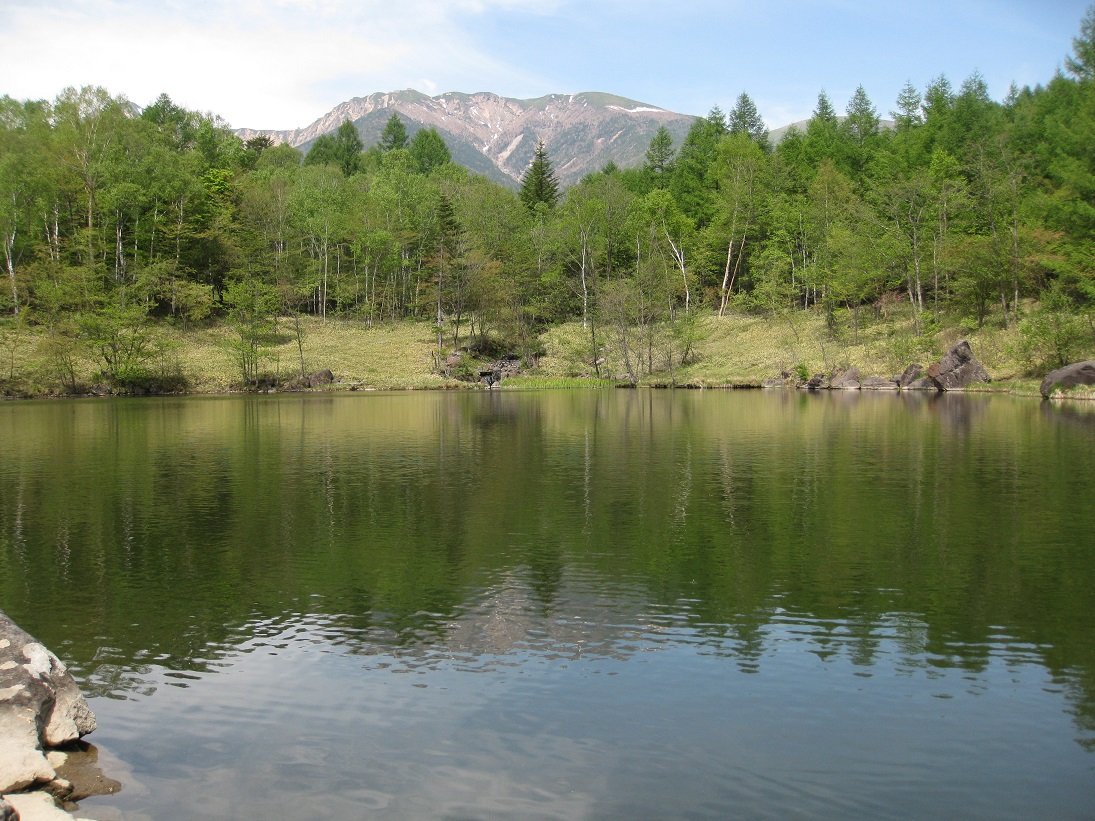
{"type": "Point", "coordinates": [910, 375]}
{"type": "Point", "coordinates": [924, 383]}
{"type": "Point", "coordinates": [957, 369]}
{"type": "Point", "coordinates": [36, 806]}
{"type": "Point", "coordinates": [1078, 373]}
{"type": "Point", "coordinates": [847, 381]}
{"type": "Point", "coordinates": [315, 380]}
{"type": "Point", "coordinates": [40, 707]}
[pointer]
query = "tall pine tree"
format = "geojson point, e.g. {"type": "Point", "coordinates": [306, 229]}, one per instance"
{"type": "Point", "coordinates": [394, 134]}
{"type": "Point", "coordinates": [659, 157]}
{"type": "Point", "coordinates": [745, 119]}
{"type": "Point", "coordinates": [539, 185]}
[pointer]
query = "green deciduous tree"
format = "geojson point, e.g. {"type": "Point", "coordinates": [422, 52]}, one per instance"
{"type": "Point", "coordinates": [252, 307]}
{"type": "Point", "coordinates": [739, 174]}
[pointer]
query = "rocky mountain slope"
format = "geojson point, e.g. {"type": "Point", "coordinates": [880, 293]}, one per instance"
{"type": "Point", "coordinates": [496, 136]}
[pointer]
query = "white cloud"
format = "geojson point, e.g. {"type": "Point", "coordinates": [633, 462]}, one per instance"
{"type": "Point", "coordinates": [283, 63]}
{"type": "Point", "coordinates": [277, 63]}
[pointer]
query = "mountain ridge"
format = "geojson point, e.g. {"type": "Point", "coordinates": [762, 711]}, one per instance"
{"type": "Point", "coordinates": [496, 136]}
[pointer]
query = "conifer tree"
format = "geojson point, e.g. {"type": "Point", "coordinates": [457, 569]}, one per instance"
{"type": "Point", "coordinates": [862, 121]}
{"type": "Point", "coordinates": [394, 134]}
{"type": "Point", "coordinates": [539, 185]}
{"type": "Point", "coordinates": [659, 157]}
{"type": "Point", "coordinates": [908, 114]}
{"type": "Point", "coordinates": [429, 151]}
{"type": "Point", "coordinates": [745, 119]}
{"type": "Point", "coordinates": [700, 147]}
{"type": "Point", "coordinates": [1081, 63]}
{"type": "Point", "coordinates": [342, 149]}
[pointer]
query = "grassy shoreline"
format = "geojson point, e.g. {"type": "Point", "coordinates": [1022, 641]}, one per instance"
{"type": "Point", "coordinates": [733, 351]}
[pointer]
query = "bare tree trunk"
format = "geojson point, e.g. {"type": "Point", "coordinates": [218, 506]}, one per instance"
{"type": "Point", "coordinates": [726, 276]}
{"type": "Point", "coordinates": [678, 257]}
{"type": "Point", "coordinates": [9, 258]}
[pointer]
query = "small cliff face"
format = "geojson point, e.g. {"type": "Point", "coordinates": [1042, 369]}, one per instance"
{"type": "Point", "coordinates": [496, 135]}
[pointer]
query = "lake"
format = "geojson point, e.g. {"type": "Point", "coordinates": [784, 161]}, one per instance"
{"type": "Point", "coordinates": [603, 604]}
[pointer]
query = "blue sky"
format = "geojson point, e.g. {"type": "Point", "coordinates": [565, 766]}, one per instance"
{"type": "Point", "coordinates": [284, 63]}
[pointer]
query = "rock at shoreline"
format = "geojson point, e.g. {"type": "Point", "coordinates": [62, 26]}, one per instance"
{"type": "Point", "coordinates": [878, 383]}
{"type": "Point", "coordinates": [34, 806]}
{"type": "Point", "coordinates": [910, 375]}
{"type": "Point", "coordinates": [847, 381]}
{"type": "Point", "coordinates": [40, 707]}
{"type": "Point", "coordinates": [314, 380]}
{"type": "Point", "coordinates": [957, 369]}
{"type": "Point", "coordinates": [1078, 373]}
{"type": "Point", "coordinates": [924, 383]}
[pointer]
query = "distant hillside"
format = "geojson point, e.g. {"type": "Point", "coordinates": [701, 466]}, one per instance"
{"type": "Point", "coordinates": [496, 136]}
{"type": "Point", "coordinates": [777, 134]}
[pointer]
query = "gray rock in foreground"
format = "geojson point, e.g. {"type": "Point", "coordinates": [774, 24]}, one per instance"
{"type": "Point", "coordinates": [1078, 373]}
{"type": "Point", "coordinates": [35, 806]}
{"type": "Point", "coordinates": [40, 707]}
{"type": "Point", "coordinates": [957, 369]}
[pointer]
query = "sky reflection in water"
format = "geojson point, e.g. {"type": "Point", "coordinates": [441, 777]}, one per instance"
{"type": "Point", "coordinates": [577, 605]}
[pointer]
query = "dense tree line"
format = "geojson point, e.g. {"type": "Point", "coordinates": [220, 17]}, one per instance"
{"type": "Point", "coordinates": [114, 218]}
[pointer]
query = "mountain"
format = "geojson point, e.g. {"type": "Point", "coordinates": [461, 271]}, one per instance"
{"type": "Point", "coordinates": [496, 136]}
{"type": "Point", "coordinates": [777, 134]}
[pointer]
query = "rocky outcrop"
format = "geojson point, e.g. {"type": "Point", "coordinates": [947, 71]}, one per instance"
{"type": "Point", "coordinates": [910, 375]}
{"type": "Point", "coordinates": [878, 383]}
{"type": "Point", "coordinates": [847, 381]}
{"type": "Point", "coordinates": [40, 707]}
{"type": "Point", "coordinates": [315, 380]}
{"type": "Point", "coordinates": [34, 806]}
{"type": "Point", "coordinates": [957, 369]}
{"type": "Point", "coordinates": [922, 384]}
{"type": "Point", "coordinates": [1078, 373]}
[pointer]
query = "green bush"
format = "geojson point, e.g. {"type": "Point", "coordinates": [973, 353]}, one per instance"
{"type": "Point", "coordinates": [1050, 339]}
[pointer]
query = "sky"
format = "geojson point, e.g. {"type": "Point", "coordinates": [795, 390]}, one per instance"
{"type": "Point", "coordinates": [278, 64]}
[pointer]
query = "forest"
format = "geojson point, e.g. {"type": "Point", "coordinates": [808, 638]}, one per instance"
{"type": "Point", "coordinates": [119, 221]}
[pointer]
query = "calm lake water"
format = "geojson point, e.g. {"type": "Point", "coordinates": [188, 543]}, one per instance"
{"type": "Point", "coordinates": [566, 605]}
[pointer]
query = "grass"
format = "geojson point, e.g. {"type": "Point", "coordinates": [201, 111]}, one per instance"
{"type": "Point", "coordinates": [543, 382]}
{"type": "Point", "coordinates": [733, 350]}
{"type": "Point", "coordinates": [745, 350]}
{"type": "Point", "coordinates": [393, 356]}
